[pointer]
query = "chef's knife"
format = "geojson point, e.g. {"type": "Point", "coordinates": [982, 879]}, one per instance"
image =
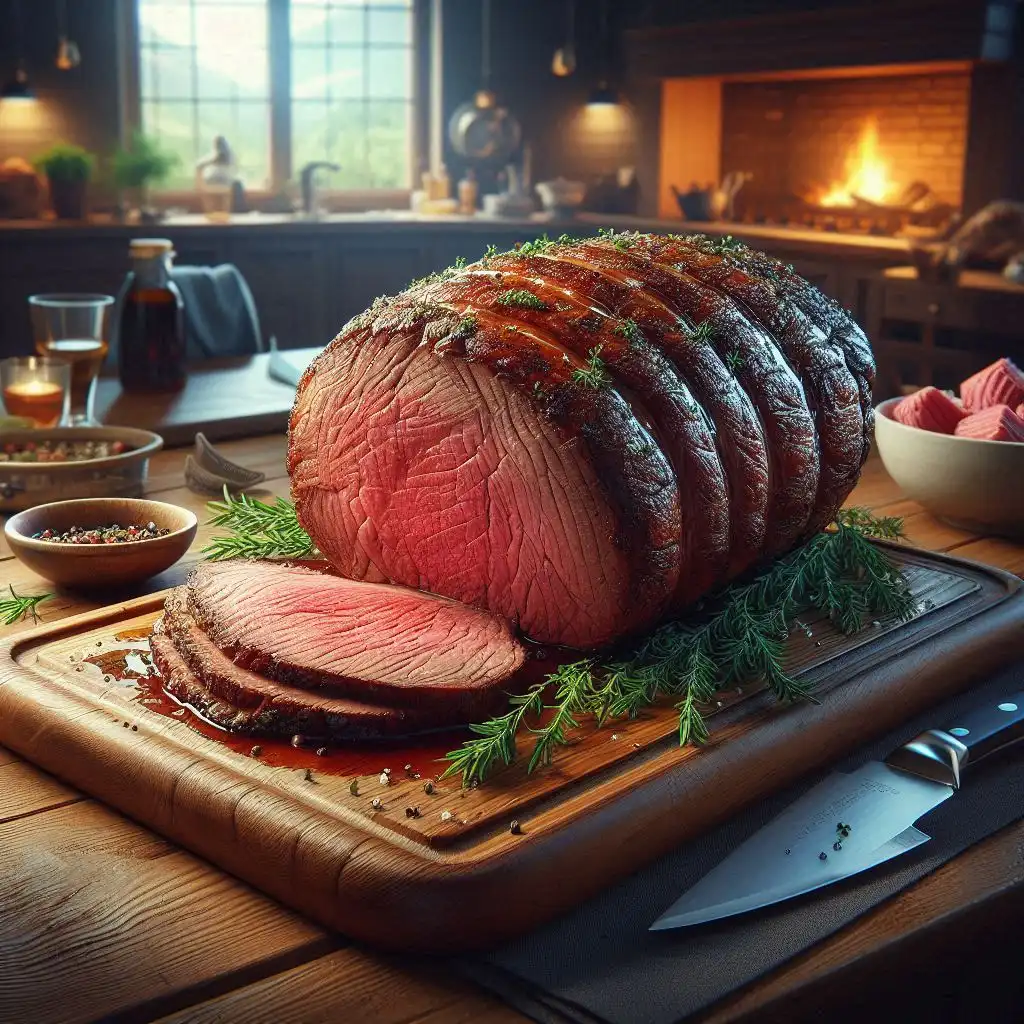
{"type": "Point", "coordinates": [806, 847]}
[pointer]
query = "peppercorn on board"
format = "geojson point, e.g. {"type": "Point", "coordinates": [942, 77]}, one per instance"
{"type": "Point", "coordinates": [371, 843]}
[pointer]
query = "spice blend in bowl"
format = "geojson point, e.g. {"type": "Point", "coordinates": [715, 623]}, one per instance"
{"type": "Point", "coordinates": [91, 544]}
{"type": "Point", "coordinates": [112, 533]}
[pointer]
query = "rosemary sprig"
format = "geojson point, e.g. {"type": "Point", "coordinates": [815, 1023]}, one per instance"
{"type": "Point", "coordinates": [16, 607]}
{"type": "Point", "coordinates": [497, 738]}
{"type": "Point", "coordinates": [257, 530]}
{"type": "Point", "coordinates": [741, 636]}
{"type": "Point", "coordinates": [593, 374]}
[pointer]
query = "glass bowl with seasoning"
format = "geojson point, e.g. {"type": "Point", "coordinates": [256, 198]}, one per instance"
{"type": "Point", "coordinates": [39, 466]}
{"type": "Point", "coordinates": [101, 543]}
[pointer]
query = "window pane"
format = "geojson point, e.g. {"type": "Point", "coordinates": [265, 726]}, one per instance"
{"type": "Point", "coordinates": [246, 126]}
{"type": "Point", "coordinates": [390, 131]}
{"type": "Point", "coordinates": [171, 122]}
{"type": "Point", "coordinates": [390, 25]}
{"type": "Point", "coordinates": [310, 73]}
{"type": "Point", "coordinates": [347, 25]}
{"type": "Point", "coordinates": [309, 133]}
{"type": "Point", "coordinates": [347, 75]}
{"type": "Point", "coordinates": [166, 72]}
{"type": "Point", "coordinates": [390, 73]}
{"type": "Point", "coordinates": [204, 71]}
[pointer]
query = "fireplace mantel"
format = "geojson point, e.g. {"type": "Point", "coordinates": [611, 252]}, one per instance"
{"type": "Point", "coordinates": [893, 32]}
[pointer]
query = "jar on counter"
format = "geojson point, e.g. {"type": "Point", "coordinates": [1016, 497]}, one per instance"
{"type": "Point", "coordinates": [151, 353]}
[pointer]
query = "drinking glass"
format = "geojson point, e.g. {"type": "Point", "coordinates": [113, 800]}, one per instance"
{"type": "Point", "coordinates": [73, 328]}
{"type": "Point", "coordinates": [36, 388]}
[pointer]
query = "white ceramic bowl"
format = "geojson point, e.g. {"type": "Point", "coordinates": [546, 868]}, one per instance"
{"type": "Point", "coordinates": [977, 485]}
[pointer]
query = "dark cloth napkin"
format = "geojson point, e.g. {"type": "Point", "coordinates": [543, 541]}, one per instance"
{"type": "Point", "coordinates": [220, 314]}
{"type": "Point", "coordinates": [601, 964]}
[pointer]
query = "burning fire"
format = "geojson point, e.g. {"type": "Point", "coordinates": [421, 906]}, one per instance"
{"type": "Point", "coordinates": [867, 176]}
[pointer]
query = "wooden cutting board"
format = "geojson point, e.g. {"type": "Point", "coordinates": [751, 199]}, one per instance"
{"type": "Point", "coordinates": [444, 870]}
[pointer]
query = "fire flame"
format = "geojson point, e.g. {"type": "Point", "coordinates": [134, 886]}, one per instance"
{"type": "Point", "coordinates": [867, 176]}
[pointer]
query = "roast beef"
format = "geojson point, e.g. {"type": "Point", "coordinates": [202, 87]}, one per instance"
{"type": "Point", "coordinates": [369, 642]}
{"type": "Point", "coordinates": [197, 673]}
{"type": "Point", "coordinates": [470, 456]}
{"type": "Point", "coordinates": [582, 437]}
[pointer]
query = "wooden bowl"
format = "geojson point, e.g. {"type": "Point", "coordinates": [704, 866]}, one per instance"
{"type": "Point", "coordinates": [97, 566]}
{"type": "Point", "coordinates": [972, 484]}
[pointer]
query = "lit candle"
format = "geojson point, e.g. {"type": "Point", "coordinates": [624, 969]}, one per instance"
{"type": "Point", "coordinates": [34, 389]}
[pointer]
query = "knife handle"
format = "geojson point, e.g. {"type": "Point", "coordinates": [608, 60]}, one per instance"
{"type": "Point", "coordinates": [940, 755]}
{"type": "Point", "coordinates": [991, 727]}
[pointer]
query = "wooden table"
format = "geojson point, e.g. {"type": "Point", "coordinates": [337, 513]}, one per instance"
{"type": "Point", "coordinates": [224, 398]}
{"type": "Point", "coordinates": [102, 919]}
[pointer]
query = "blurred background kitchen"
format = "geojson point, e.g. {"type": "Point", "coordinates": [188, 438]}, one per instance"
{"type": "Point", "coordinates": [319, 153]}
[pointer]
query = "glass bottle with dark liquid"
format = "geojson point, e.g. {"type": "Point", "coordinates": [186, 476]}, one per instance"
{"type": "Point", "coordinates": [151, 355]}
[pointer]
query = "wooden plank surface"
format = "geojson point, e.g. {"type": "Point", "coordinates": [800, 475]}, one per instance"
{"type": "Point", "coordinates": [986, 873]}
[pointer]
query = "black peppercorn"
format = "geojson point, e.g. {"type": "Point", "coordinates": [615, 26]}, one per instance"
{"type": "Point", "coordinates": [823, 855]}
{"type": "Point", "coordinates": [515, 828]}
{"type": "Point", "coordinates": [837, 846]}
{"type": "Point", "coordinates": [428, 787]}
{"type": "Point", "coordinates": [412, 812]}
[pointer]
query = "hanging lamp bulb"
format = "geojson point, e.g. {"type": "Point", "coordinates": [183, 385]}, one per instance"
{"type": "Point", "coordinates": [17, 87]}
{"type": "Point", "coordinates": [68, 56]}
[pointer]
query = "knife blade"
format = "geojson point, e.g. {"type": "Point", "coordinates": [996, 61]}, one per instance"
{"type": "Point", "coordinates": [804, 848]}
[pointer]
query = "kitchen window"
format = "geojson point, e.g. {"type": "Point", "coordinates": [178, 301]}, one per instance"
{"type": "Point", "coordinates": [285, 82]}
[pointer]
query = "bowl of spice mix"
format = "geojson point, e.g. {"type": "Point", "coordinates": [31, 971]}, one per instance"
{"type": "Point", "coordinates": [96, 543]}
{"type": "Point", "coordinates": [46, 465]}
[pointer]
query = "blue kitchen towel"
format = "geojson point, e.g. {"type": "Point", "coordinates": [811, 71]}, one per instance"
{"type": "Point", "coordinates": [220, 314]}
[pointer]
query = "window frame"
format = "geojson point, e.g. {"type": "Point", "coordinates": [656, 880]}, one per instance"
{"type": "Point", "coordinates": [279, 56]}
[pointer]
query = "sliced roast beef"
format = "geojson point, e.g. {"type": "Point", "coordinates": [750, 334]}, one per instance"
{"type": "Point", "coordinates": [196, 673]}
{"type": "Point", "coordinates": [475, 458]}
{"type": "Point", "coordinates": [366, 641]}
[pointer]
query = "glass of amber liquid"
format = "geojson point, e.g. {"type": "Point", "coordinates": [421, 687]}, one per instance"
{"type": "Point", "coordinates": [73, 328]}
{"type": "Point", "coordinates": [36, 388]}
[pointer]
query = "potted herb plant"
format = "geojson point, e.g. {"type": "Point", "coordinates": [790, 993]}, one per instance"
{"type": "Point", "coordinates": [68, 169]}
{"type": "Point", "coordinates": [139, 166]}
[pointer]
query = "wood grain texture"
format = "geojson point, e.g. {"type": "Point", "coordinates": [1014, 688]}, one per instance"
{"type": "Point", "coordinates": [416, 884]}
{"type": "Point", "coordinates": [133, 922]}
{"type": "Point", "coordinates": [354, 987]}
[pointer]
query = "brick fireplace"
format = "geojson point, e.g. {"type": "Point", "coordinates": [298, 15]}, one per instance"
{"type": "Point", "coordinates": [843, 149]}
{"type": "Point", "coordinates": [876, 118]}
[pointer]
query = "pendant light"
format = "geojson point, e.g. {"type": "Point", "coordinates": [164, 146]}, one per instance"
{"type": "Point", "coordinates": [485, 98]}
{"type": "Point", "coordinates": [563, 63]}
{"type": "Point", "coordinates": [68, 56]}
{"type": "Point", "coordinates": [603, 95]}
{"type": "Point", "coordinates": [17, 86]}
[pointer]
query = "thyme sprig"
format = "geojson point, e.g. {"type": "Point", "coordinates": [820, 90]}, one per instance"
{"type": "Point", "coordinates": [740, 636]}
{"type": "Point", "coordinates": [257, 530]}
{"type": "Point", "coordinates": [18, 606]}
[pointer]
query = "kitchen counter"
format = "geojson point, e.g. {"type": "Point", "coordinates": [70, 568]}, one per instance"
{"type": "Point", "coordinates": [403, 220]}
{"type": "Point", "coordinates": [309, 277]}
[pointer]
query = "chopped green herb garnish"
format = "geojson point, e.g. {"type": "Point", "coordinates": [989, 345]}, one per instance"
{"type": "Point", "coordinates": [521, 297]}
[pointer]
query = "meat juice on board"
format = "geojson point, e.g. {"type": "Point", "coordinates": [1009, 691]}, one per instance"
{"type": "Point", "coordinates": [424, 753]}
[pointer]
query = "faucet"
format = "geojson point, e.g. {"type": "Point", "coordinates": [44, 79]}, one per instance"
{"type": "Point", "coordinates": [309, 207]}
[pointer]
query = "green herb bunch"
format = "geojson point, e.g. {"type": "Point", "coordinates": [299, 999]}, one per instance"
{"type": "Point", "coordinates": [257, 530]}
{"type": "Point", "coordinates": [740, 636]}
